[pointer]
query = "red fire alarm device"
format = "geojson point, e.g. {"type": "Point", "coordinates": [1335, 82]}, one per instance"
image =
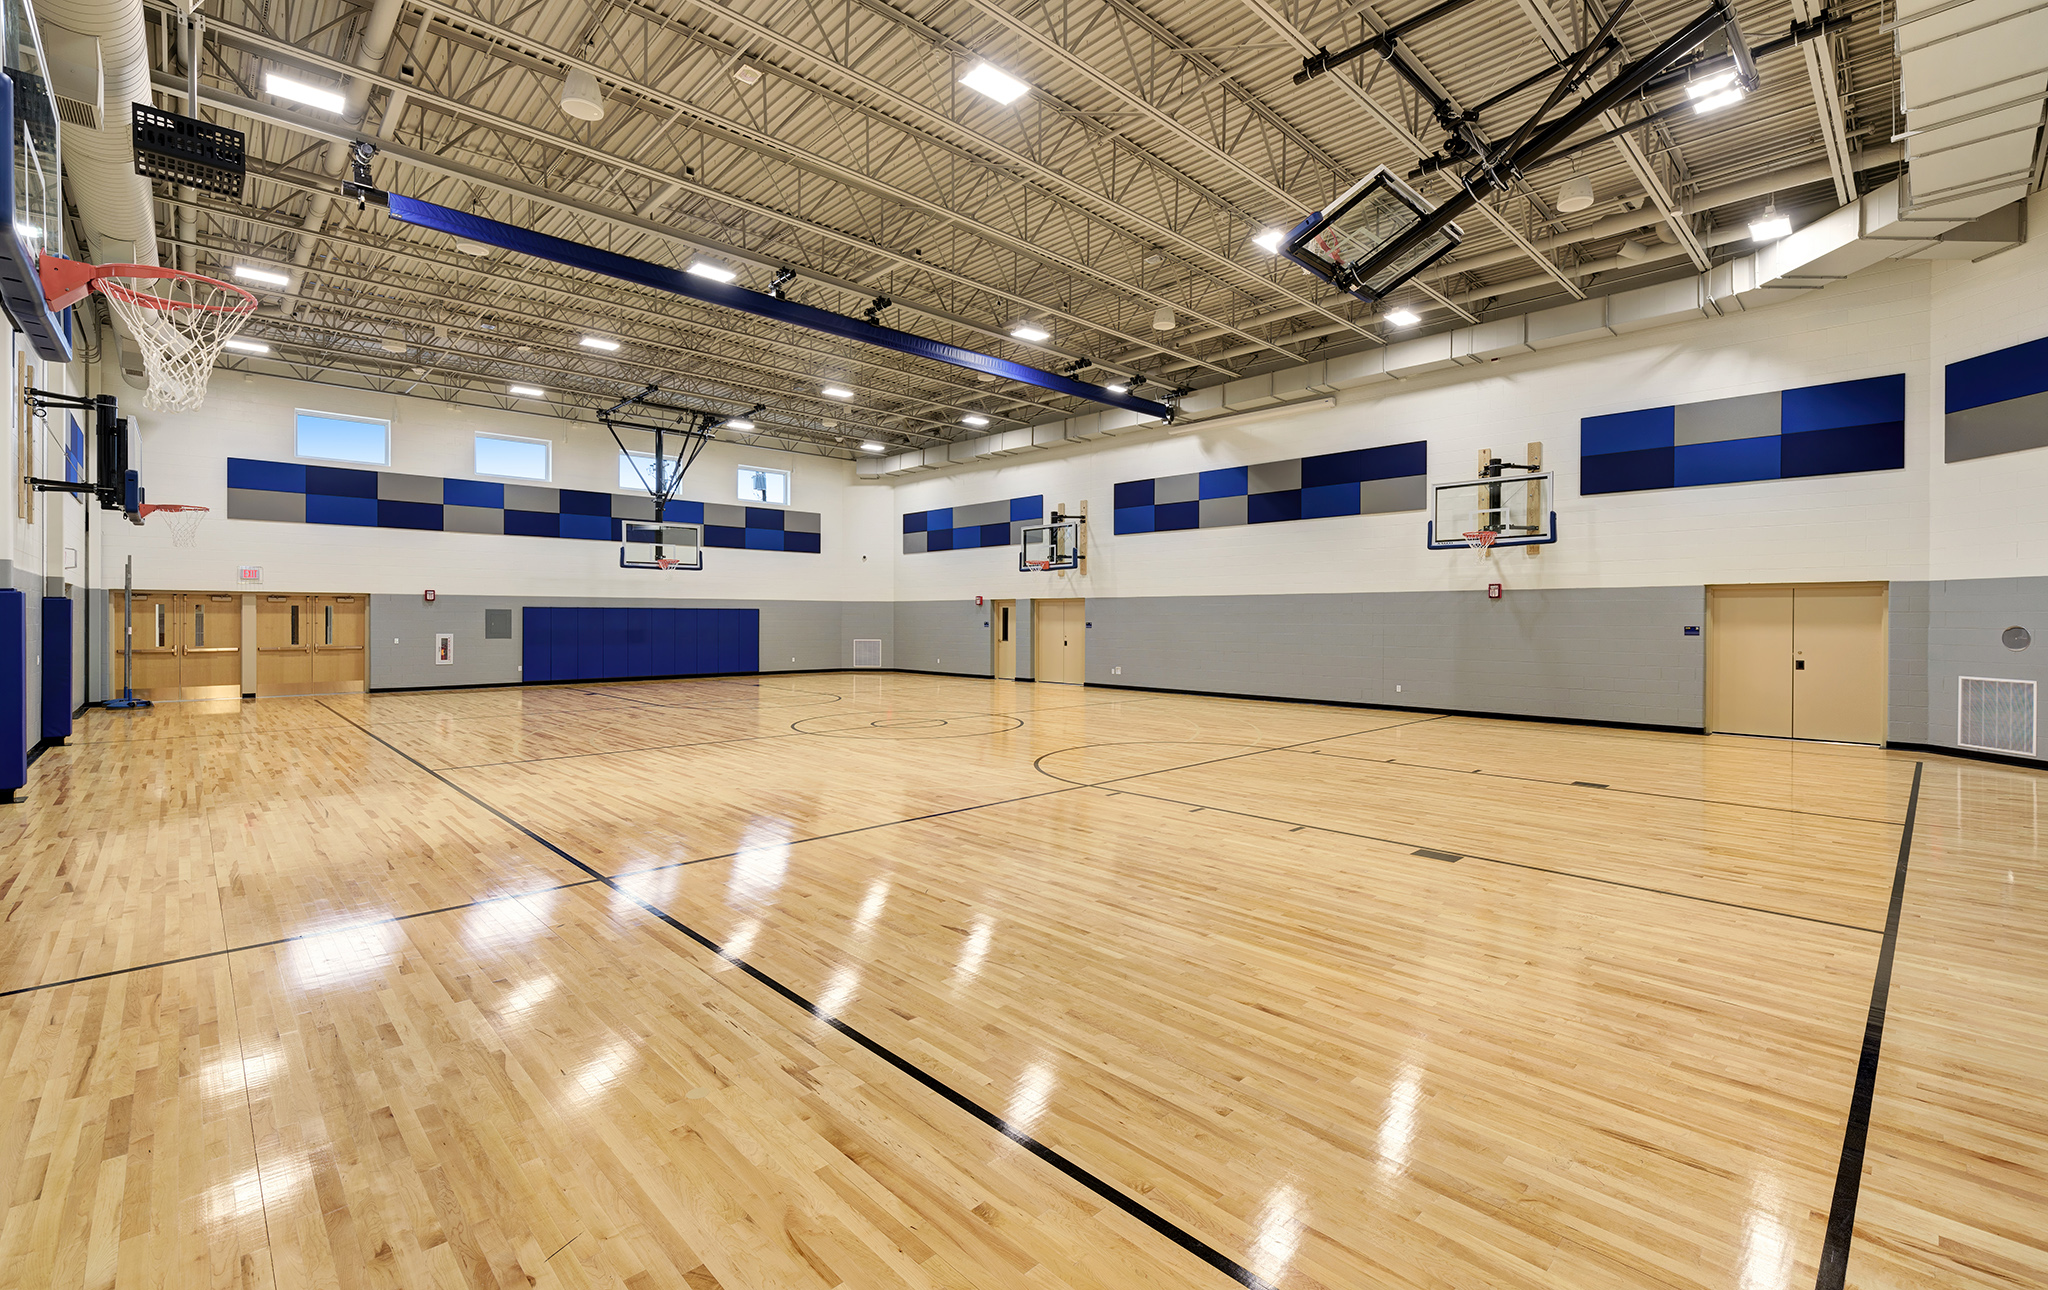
{"type": "Point", "coordinates": [1493, 591]}
{"type": "Point", "coordinates": [977, 602]}
{"type": "Point", "coordinates": [430, 597]}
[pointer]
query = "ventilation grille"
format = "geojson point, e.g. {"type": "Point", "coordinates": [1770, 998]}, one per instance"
{"type": "Point", "coordinates": [73, 111]}
{"type": "Point", "coordinates": [1995, 716]}
{"type": "Point", "coordinates": [869, 654]}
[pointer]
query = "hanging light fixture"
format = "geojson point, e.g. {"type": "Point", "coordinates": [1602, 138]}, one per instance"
{"type": "Point", "coordinates": [581, 97]}
{"type": "Point", "coordinates": [1769, 226]}
{"type": "Point", "coordinates": [1576, 195]}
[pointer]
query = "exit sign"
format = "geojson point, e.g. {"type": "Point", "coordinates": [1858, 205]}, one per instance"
{"type": "Point", "coordinates": [249, 573]}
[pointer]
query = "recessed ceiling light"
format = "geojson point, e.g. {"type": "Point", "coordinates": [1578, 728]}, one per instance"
{"type": "Point", "coordinates": [1030, 332]}
{"type": "Point", "coordinates": [712, 269]}
{"type": "Point", "coordinates": [250, 274]}
{"type": "Point", "coordinates": [1403, 317]}
{"type": "Point", "coordinates": [526, 391]}
{"type": "Point", "coordinates": [974, 419]}
{"type": "Point", "coordinates": [837, 392]}
{"type": "Point", "coordinates": [248, 346]}
{"type": "Point", "coordinates": [598, 342]}
{"type": "Point", "coordinates": [300, 92]}
{"type": "Point", "coordinates": [739, 423]}
{"type": "Point", "coordinates": [871, 446]}
{"type": "Point", "coordinates": [1269, 241]}
{"type": "Point", "coordinates": [1003, 88]}
{"type": "Point", "coordinates": [1769, 227]}
{"type": "Point", "coordinates": [747, 74]}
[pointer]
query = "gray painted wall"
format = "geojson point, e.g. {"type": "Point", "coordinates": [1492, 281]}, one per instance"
{"type": "Point", "coordinates": [796, 635]}
{"type": "Point", "coordinates": [1906, 653]}
{"type": "Point", "coordinates": [1964, 621]}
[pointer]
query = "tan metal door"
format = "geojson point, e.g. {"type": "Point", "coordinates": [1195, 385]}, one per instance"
{"type": "Point", "coordinates": [1749, 657]}
{"type": "Point", "coordinates": [1003, 628]}
{"type": "Point", "coordinates": [153, 622]}
{"type": "Point", "coordinates": [1838, 662]}
{"type": "Point", "coordinates": [1058, 646]}
{"type": "Point", "coordinates": [210, 645]}
{"type": "Point", "coordinates": [337, 643]}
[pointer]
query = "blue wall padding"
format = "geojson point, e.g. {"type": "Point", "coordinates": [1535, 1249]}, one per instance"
{"type": "Point", "coordinates": [576, 643]}
{"type": "Point", "coordinates": [13, 690]}
{"type": "Point", "coordinates": [56, 667]}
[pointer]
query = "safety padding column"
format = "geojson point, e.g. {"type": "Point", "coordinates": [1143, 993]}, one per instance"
{"type": "Point", "coordinates": [13, 692]}
{"type": "Point", "coordinates": [57, 619]}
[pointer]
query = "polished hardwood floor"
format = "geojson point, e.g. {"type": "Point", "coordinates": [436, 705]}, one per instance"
{"type": "Point", "coordinates": [877, 980]}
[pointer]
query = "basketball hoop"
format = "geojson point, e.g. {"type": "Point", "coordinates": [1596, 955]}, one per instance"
{"type": "Point", "coordinates": [666, 562]}
{"type": "Point", "coordinates": [1481, 541]}
{"type": "Point", "coordinates": [1039, 566]}
{"type": "Point", "coordinates": [179, 320]}
{"type": "Point", "coordinates": [183, 521]}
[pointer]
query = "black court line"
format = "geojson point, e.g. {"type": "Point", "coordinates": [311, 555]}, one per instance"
{"type": "Point", "coordinates": [1254, 750]}
{"type": "Point", "coordinates": [1834, 1249]}
{"type": "Point", "coordinates": [1580, 783]}
{"type": "Point", "coordinates": [1100, 1186]}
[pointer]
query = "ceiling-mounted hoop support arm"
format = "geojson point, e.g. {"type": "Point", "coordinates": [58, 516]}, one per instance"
{"type": "Point", "coordinates": [695, 426]}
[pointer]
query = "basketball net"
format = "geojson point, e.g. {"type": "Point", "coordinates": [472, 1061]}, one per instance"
{"type": "Point", "coordinates": [183, 521]}
{"type": "Point", "coordinates": [1482, 542]}
{"type": "Point", "coordinates": [179, 320]}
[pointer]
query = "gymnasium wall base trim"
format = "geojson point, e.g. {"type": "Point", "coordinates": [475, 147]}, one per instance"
{"type": "Point", "coordinates": [1402, 707]}
{"type": "Point", "coordinates": [2002, 759]}
{"type": "Point", "coordinates": [609, 680]}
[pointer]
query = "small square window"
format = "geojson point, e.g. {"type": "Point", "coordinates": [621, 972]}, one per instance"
{"type": "Point", "coordinates": [327, 436]}
{"type": "Point", "coordinates": [510, 457]}
{"type": "Point", "coordinates": [760, 484]}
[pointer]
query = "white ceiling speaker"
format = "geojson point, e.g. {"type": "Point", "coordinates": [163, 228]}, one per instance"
{"type": "Point", "coordinates": [1576, 195]}
{"type": "Point", "coordinates": [581, 98]}
{"type": "Point", "coordinates": [1162, 318]}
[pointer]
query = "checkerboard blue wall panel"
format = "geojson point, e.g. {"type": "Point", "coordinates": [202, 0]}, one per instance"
{"type": "Point", "coordinates": [1362, 481]}
{"type": "Point", "coordinates": [291, 492]}
{"type": "Point", "coordinates": [1842, 428]}
{"type": "Point", "coordinates": [966, 528]}
{"type": "Point", "coordinates": [1996, 403]}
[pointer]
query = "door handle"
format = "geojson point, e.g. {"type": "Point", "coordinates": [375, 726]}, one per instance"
{"type": "Point", "coordinates": [1799, 665]}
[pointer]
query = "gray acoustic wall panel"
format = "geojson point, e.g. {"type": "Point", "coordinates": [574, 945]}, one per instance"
{"type": "Point", "coordinates": [2012, 426]}
{"type": "Point", "coordinates": [408, 488]}
{"type": "Point", "coordinates": [262, 504]}
{"type": "Point", "coordinates": [1751, 416]}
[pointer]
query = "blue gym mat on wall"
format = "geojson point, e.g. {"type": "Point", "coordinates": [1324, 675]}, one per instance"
{"type": "Point", "coordinates": [293, 492]}
{"type": "Point", "coordinates": [581, 643]}
{"type": "Point", "coordinates": [1838, 429]}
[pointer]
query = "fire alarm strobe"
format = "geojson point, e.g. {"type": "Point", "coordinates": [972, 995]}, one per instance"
{"type": "Point", "coordinates": [430, 597]}
{"type": "Point", "coordinates": [1492, 591]}
{"type": "Point", "coordinates": [977, 602]}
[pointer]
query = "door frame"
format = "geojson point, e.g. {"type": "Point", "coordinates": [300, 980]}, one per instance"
{"type": "Point", "coordinates": [1884, 589]}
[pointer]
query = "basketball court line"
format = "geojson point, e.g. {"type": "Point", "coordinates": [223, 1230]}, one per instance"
{"type": "Point", "coordinates": [1608, 788]}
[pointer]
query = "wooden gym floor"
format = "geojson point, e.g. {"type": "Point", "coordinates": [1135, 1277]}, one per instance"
{"type": "Point", "coordinates": [875, 980]}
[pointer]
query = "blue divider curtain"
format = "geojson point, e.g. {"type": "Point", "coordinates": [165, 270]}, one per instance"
{"type": "Point", "coordinates": [600, 644]}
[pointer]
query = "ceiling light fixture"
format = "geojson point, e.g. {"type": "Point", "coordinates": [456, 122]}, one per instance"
{"type": "Point", "coordinates": [1118, 388]}
{"type": "Point", "coordinates": [738, 423]}
{"type": "Point", "coordinates": [1403, 317]}
{"type": "Point", "coordinates": [871, 446]}
{"type": "Point", "coordinates": [711, 269]}
{"type": "Point", "coordinates": [248, 346]}
{"type": "Point", "coordinates": [1269, 241]}
{"type": "Point", "coordinates": [249, 273]}
{"type": "Point", "coordinates": [526, 391]}
{"type": "Point", "coordinates": [1769, 226]}
{"type": "Point", "coordinates": [1162, 318]}
{"type": "Point", "coordinates": [1031, 333]}
{"type": "Point", "coordinates": [599, 343]}
{"type": "Point", "coordinates": [581, 96]}
{"type": "Point", "coordinates": [1715, 92]}
{"type": "Point", "coordinates": [393, 341]}
{"type": "Point", "coordinates": [747, 74]}
{"type": "Point", "coordinates": [470, 246]}
{"type": "Point", "coordinates": [1003, 88]}
{"type": "Point", "coordinates": [837, 392]}
{"type": "Point", "coordinates": [974, 419]}
{"type": "Point", "coordinates": [285, 87]}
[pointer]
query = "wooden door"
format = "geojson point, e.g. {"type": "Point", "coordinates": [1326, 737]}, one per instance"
{"type": "Point", "coordinates": [153, 624]}
{"type": "Point", "coordinates": [1003, 629]}
{"type": "Point", "coordinates": [1059, 628]}
{"type": "Point", "coordinates": [284, 645]}
{"type": "Point", "coordinates": [210, 645]}
{"type": "Point", "coordinates": [1749, 653]}
{"type": "Point", "coordinates": [337, 630]}
{"type": "Point", "coordinates": [1838, 663]}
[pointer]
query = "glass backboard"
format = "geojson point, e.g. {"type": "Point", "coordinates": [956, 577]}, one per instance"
{"type": "Point", "coordinates": [661, 546]}
{"type": "Point", "coordinates": [1519, 510]}
{"type": "Point", "coordinates": [1050, 546]}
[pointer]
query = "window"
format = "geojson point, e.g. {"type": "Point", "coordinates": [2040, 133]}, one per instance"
{"type": "Point", "coordinates": [636, 471]}
{"type": "Point", "coordinates": [512, 457]}
{"type": "Point", "coordinates": [329, 437]}
{"type": "Point", "coordinates": [760, 484]}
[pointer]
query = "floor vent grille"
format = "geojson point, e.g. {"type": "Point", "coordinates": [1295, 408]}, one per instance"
{"type": "Point", "coordinates": [867, 653]}
{"type": "Point", "coordinates": [1995, 716]}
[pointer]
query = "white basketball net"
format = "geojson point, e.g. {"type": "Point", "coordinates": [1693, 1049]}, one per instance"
{"type": "Point", "coordinates": [179, 321]}
{"type": "Point", "coordinates": [182, 521]}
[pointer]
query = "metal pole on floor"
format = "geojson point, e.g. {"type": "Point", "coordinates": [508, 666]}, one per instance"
{"type": "Point", "coordinates": [128, 699]}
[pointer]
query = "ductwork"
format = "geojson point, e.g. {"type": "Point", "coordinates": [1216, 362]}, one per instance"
{"type": "Point", "coordinates": [1972, 76]}
{"type": "Point", "coordinates": [114, 202]}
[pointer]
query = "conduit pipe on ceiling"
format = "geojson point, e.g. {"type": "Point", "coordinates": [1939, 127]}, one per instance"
{"type": "Point", "coordinates": [114, 203]}
{"type": "Point", "coordinates": [1746, 190]}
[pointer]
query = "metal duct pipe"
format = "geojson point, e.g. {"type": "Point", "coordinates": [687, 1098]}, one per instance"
{"type": "Point", "coordinates": [370, 50]}
{"type": "Point", "coordinates": [114, 202]}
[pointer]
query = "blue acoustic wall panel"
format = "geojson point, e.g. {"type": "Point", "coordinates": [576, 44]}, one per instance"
{"type": "Point", "coordinates": [966, 528]}
{"type": "Point", "coordinates": [293, 493]}
{"type": "Point", "coordinates": [1836, 429]}
{"type": "Point", "coordinates": [13, 692]}
{"type": "Point", "coordinates": [1362, 481]}
{"type": "Point", "coordinates": [1996, 403]}
{"type": "Point", "coordinates": [606, 643]}
{"type": "Point", "coordinates": [57, 622]}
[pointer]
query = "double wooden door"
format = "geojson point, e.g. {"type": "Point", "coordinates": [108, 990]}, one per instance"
{"type": "Point", "coordinates": [1059, 641]}
{"type": "Point", "coordinates": [186, 644]}
{"type": "Point", "coordinates": [1800, 661]}
{"type": "Point", "coordinates": [310, 644]}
